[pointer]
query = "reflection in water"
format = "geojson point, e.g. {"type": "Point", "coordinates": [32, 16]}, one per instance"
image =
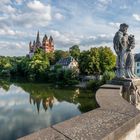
{"type": "Point", "coordinates": [25, 108]}
{"type": "Point", "coordinates": [46, 102]}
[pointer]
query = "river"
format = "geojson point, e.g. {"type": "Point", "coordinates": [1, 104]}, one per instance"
{"type": "Point", "coordinates": [28, 107]}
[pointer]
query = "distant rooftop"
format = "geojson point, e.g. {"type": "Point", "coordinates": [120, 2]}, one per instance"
{"type": "Point", "coordinates": [65, 61]}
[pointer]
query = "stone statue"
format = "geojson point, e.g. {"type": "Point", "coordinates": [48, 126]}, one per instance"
{"type": "Point", "coordinates": [120, 46]}
{"type": "Point", "coordinates": [129, 65]}
{"type": "Point", "coordinates": [123, 44]}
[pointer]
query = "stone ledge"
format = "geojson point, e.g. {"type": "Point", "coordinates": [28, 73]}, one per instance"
{"type": "Point", "coordinates": [45, 134]}
{"type": "Point", "coordinates": [92, 125]}
{"type": "Point", "coordinates": [111, 99]}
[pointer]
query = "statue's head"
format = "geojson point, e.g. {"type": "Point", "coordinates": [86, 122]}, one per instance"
{"type": "Point", "coordinates": [123, 27]}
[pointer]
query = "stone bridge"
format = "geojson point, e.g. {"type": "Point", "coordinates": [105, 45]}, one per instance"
{"type": "Point", "coordinates": [116, 119]}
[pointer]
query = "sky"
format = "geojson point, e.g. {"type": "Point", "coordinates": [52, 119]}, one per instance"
{"type": "Point", "coordinates": [87, 23]}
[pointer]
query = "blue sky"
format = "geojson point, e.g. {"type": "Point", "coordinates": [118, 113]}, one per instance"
{"type": "Point", "coordinates": [88, 23]}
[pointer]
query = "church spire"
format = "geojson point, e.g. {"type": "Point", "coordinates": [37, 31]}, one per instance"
{"type": "Point", "coordinates": [38, 37]}
{"type": "Point", "coordinates": [45, 37]}
{"type": "Point", "coordinates": [38, 44]}
{"type": "Point", "coordinates": [30, 46]}
{"type": "Point", "coordinates": [50, 39]}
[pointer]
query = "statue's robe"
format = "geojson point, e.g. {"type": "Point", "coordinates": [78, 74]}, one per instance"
{"type": "Point", "coordinates": [120, 45]}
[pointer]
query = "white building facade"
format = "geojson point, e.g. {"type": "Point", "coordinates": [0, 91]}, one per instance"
{"type": "Point", "coordinates": [137, 64]}
{"type": "Point", "coordinates": [68, 63]}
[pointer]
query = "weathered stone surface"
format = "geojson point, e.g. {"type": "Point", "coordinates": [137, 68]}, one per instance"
{"type": "Point", "coordinates": [110, 99]}
{"type": "Point", "coordinates": [92, 125]}
{"type": "Point", "coordinates": [123, 44]}
{"type": "Point", "coordinates": [45, 134]}
{"type": "Point", "coordinates": [133, 134]}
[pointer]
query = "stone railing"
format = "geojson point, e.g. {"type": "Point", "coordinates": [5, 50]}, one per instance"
{"type": "Point", "coordinates": [115, 119]}
{"type": "Point", "coordinates": [125, 121]}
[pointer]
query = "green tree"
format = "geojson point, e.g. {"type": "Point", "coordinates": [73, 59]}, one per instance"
{"type": "Point", "coordinates": [38, 65]}
{"type": "Point", "coordinates": [5, 66]}
{"type": "Point", "coordinates": [89, 62]}
{"type": "Point", "coordinates": [107, 59]}
{"type": "Point", "coordinates": [51, 57]}
{"type": "Point", "coordinates": [96, 61]}
{"type": "Point", "coordinates": [58, 54]}
{"type": "Point", "coordinates": [84, 59]}
{"type": "Point", "coordinates": [75, 52]}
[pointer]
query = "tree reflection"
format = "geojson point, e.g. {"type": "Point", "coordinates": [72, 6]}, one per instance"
{"type": "Point", "coordinates": [85, 99]}
{"type": "Point", "coordinates": [46, 102]}
{"type": "Point", "coordinates": [44, 96]}
{"type": "Point", "coordinates": [5, 84]}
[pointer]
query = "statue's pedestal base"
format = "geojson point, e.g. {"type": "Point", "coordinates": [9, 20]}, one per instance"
{"type": "Point", "coordinates": [131, 89]}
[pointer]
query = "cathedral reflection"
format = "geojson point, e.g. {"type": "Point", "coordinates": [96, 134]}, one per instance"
{"type": "Point", "coordinates": [46, 102]}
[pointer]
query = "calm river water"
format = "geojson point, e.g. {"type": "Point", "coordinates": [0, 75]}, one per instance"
{"type": "Point", "coordinates": [28, 107]}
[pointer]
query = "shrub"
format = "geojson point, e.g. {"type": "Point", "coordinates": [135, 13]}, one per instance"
{"type": "Point", "coordinates": [108, 75]}
{"type": "Point", "coordinates": [94, 84]}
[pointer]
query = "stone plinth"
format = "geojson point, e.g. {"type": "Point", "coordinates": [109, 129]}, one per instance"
{"type": "Point", "coordinates": [131, 89]}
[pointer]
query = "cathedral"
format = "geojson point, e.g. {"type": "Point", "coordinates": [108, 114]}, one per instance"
{"type": "Point", "coordinates": [47, 45]}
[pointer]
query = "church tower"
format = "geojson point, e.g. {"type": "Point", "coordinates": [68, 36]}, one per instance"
{"type": "Point", "coordinates": [34, 46]}
{"type": "Point", "coordinates": [47, 44]}
{"type": "Point", "coordinates": [51, 44]}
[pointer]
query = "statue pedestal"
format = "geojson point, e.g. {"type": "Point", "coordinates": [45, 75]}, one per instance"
{"type": "Point", "coordinates": [131, 89]}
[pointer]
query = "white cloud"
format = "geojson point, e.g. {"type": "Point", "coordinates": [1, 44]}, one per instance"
{"type": "Point", "coordinates": [103, 4]}
{"type": "Point", "coordinates": [136, 17]}
{"type": "Point", "coordinates": [36, 5]}
{"type": "Point", "coordinates": [98, 40]}
{"type": "Point", "coordinates": [5, 1]}
{"type": "Point", "coordinates": [5, 30]}
{"type": "Point", "coordinates": [59, 16]}
{"type": "Point", "coordinates": [7, 9]}
{"type": "Point", "coordinates": [39, 14]}
{"type": "Point", "coordinates": [2, 18]}
{"type": "Point", "coordinates": [123, 7]}
{"type": "Point", "coordinates": [64, 39]}
{"type": "Point", "coordinates": [11, 45]}
{"type": "Point", "coordinates": [19, 1]}
{"type": "Point", "coordinates": [33, 19]}
{"type": "Point", "coordinates": [13, 48]}
{"type": "Point", "coordinates": [114, 24]}
{"type": "Point", "coordinates": [55, 33]}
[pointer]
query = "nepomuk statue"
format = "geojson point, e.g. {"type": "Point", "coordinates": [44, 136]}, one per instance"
{"type": "Point", "coordinates": [123, 44]}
